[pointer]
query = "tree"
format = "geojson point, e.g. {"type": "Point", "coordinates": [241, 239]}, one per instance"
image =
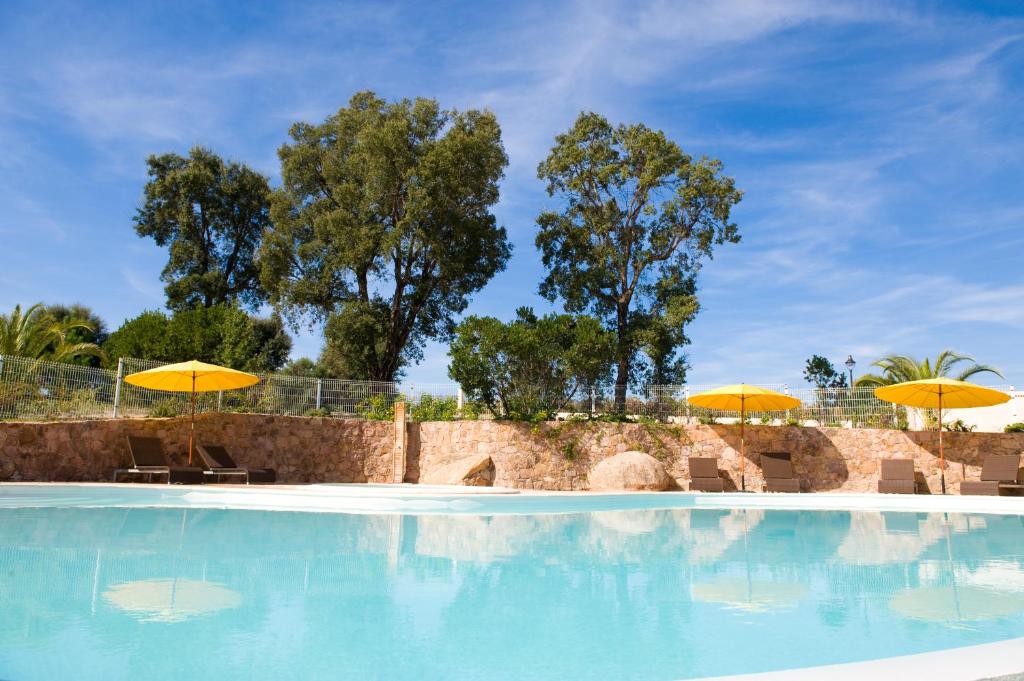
{"type": "Point", "coordinates": [221, 334]}
{"type": "Point", "coordinates": [383, 227]}
{"type": "Point", "coordinates": [305, 367]}
{"type": "Point", "coordinates": [533, 366]}
{"type": "Point", "coordinates": [86, 327]}
{"type": "Point", "coordinates": [211, 214]}
{"type": "Point", "coordinates": [638, 216]}
{"type": "Point", "coordinates": [822, 373]}
{"type": "Point", "coordinates": [35, 333]}
{"type": "Point", "coordinates": [902, 368]}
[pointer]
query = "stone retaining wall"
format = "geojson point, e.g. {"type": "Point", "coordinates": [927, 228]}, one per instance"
{"type": "Point", "coordinates": [300, 449]}
{"type": "Point", "coordinates": [549, 456]}
{"type": "Point", "coordinates": [558, 456]}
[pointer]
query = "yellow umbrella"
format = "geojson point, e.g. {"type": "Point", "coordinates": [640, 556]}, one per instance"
{"type": "Point", "coordinates": [743, 398]}
{"type": "Point", "coordinates": [192, 377]}
{"type": "Point", "coordinates": [936, 393]}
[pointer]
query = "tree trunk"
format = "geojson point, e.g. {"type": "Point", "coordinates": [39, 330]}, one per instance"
{"type": "Point", "coordinates": [622, 352]}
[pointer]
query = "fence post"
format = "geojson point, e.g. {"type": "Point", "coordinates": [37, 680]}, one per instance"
{"type": "Point", "coordinates": [593, 401]}
{"type": "Point", "coordinates": [319, 391]}
{"type": "Point", "coordinates": [686, 402]}
{"type": "Point", "coordinates": [220, 400]}
{"type": "Point", "coordinates": [461, 399]}
{"type": "Point", "coordinates": [117, 384]}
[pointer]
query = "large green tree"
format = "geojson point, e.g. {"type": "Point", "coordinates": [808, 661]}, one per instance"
{"type": "Point", "coordinates": [211, 215]}
{"type": "Point", "coordinates": [820, 372]}
{"type": "Point", "coordinates": [532, 366]}
{"type": "Point", "coordinates": [221, 334]}
{"type": "Point", "coordinates": [636, 218]}
{"type": "Point", "coordinates": [383, 226]}
{"type": "Point", "coordinates": [85, 327]}
{"type": "Point", "coordinates": [902, 368]}
{"type": "Point", "coordinates": [36, 333]}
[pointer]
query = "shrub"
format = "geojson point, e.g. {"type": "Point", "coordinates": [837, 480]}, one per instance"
{"type": "Point", "coordinates": [708, 419]}
{"type": "Point", "coordinates": [430, 408]}
{"type": "Point", "coordinates": [170, 406]}
{"type": "Point", "coordinates": [318, 412]}
{"type": "Point", "coordinates": [380, 407]}
{"type": "Point", "coordinates": [959, 426]}
{"type": "Point", "coordinates": [1014, 428]}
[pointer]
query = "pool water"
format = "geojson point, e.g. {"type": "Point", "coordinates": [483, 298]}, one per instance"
{"type": "Point", "coordinates": [172, 593]}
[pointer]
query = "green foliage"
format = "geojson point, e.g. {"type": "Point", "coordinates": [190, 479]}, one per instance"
{"type": "Point", "coordinates": [958, 426]}
{"type": "Point", "coordinates": [318, 412]}
{"type": "Point", "coordinates": [211, 215]}
{"type": "Point", "coordinates": [766, 419]}
{"type": "Point", "coordinates": [901, 368]}
{"type": "Point", "coordinates": [821, 373]}
{"type": "Point", "coordinates": [36, 333]}
{"type": "Point", "coordinates": [1014, 428]}
{"type": "Point", "coordinates": [383, 227]}
{"type": "Point", "coordinates": [85, 327]}
{"type": "Point", "coordinates": [430, 408]}
{"type": "Point", "coordinates": [793, 422]}
{"type": "Point", "coordinates": [220, 334]}
{"type": "Point", "coordinates": [168, 407]}
{"type": "Point", "coordinates": [531, 367]}
{"type": "Point", "coordinates": [305, 367]}
{"type": "Point", "coordinates": [380, 407]}
{"type": "Point", "coordinates": [638, 216]}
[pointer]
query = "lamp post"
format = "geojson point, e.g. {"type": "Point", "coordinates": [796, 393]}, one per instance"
{"type": "Point", "coordinates": [849, 365]}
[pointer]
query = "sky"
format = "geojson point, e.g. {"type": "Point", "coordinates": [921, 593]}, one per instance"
{"type": "Point", "coordinates": [880, 147]}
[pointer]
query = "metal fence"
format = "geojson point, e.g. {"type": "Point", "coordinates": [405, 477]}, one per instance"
{"type": "Point", "coordinates": [40, 390]}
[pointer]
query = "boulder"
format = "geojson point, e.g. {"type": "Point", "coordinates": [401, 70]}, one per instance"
{"type": "Point", "coordinates": [475, 469]}
{"type": "Point", "coordinates": [630, 471]}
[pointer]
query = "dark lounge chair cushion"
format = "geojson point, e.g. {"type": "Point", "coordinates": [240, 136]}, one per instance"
{"type": "Point", "coordinates": [986, 487]}
{"type": "Point", "coordinates": [704, 475]}
{"type": "Point", "coordinates": [897, 477]}
{"type": "Point", "coordinates": [217, 456]}
{"type": "Point", "coordinates": [147, 455]}
{"type": "Point", "coordinates": [777, 468]}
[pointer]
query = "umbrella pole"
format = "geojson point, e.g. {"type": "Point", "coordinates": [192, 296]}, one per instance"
{"type": "Point", "coordinates": [942, 453]}
{"type": "Point", "coordinates": [743, 446]}
{"type": "Point", "coordinates": [192, 427]}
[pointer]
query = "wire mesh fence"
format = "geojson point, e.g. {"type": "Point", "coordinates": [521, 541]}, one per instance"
{"type": "Point", "coordinates": [41, 390]}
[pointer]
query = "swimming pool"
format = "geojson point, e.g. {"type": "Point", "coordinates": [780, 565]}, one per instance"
{"type": "Point", "coordinates": [96, 585]}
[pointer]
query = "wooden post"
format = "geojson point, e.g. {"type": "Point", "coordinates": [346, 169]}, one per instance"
{"type": "Point", "coordinates": [401, 442]}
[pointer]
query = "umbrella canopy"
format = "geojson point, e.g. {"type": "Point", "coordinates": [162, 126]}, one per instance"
{"type": "Point", "coordinates": [192, 377]}
{"type": "Point", "coordinates": [941, 393]}
{"type": "Point", "coordinates": [743, 398]}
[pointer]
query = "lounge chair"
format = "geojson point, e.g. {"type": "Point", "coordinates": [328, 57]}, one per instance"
{"type": "Point", "coordinates": [148, 458]}
{"type": "Point", "coordinates": [777, 468]}
{"type": "Point", "coordinates": [897, 477]}
{"type": "Point", "coordinates": [998, 474]}
{"type": "Point", "coordinates": [704, 475]}
{"type": "Point", "coordinates": [219, 462]}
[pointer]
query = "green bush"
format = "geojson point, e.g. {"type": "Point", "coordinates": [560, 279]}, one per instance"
{"type": "Point", "coordinates": [959, 426]}
{"type": "Point", "coordinates": [318, 412]}
{"type": "Point", "coordinates": [1014, 428]}
{"type": "Point", "coordinates": [170, 406]}
{"type": "Point", "coordinates": [379, 407]}
{"type": "Point", "coordinates": [430, 408]}
{"type": "Point", "coordinates": [708, 419]}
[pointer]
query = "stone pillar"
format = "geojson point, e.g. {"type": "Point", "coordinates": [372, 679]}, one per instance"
{"type": "Point", "coordinates": [401, 444]}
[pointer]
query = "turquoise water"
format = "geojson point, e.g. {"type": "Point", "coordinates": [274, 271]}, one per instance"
{"type": "Point", "coordinates": [133, 593]}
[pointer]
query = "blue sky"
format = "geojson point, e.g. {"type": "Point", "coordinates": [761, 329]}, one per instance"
{"type": "Point", "coordinates": [879, 144]}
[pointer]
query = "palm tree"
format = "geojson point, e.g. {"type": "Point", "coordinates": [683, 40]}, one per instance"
{"type": "Point", "coordinates": [36, 334]}
{"type": "Point", "coordinates": [901, 368]}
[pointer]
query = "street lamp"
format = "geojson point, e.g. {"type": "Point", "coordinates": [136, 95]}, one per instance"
{"type": "Point", "coordinates": [849, 365]}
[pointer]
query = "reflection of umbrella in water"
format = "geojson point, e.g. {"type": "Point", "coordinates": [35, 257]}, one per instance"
{"type": "Point", "coordinates": [950, 604]}
{"type": "Point", "coordinates": [171, 600]}
{"type": "Point", "coordinates": [750, 595]}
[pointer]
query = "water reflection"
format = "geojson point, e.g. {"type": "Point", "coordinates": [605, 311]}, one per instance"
{"type": "Point", "coordinates": [507, 596]}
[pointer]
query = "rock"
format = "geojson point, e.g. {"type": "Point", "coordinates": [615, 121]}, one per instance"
{"type": "Point", "coordinates": [630, 471]}
{"type": "Point", "coordinates": [476, 470]}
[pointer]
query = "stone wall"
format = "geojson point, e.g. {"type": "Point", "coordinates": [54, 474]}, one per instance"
{"type": "Point", "coordinates": [549, 456]}
{"type": "Point", "coordinates": [558, 456]}
{"type": "Point", "coordinates": [300, 449]}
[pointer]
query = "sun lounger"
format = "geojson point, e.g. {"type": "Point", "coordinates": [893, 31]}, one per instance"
{"type": "Point", "coordinates": [704, 475]}
{"type": "Point", "coordinates": [148, 458]}
{"type": "Point", "coordinates": [777, 468]}
{"type": "Point", "coordinates": [897, 477]}
{"type": "Point", "coordinates": [219, 462]}
{"type": "Point", "coordinates": [998, 474]}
